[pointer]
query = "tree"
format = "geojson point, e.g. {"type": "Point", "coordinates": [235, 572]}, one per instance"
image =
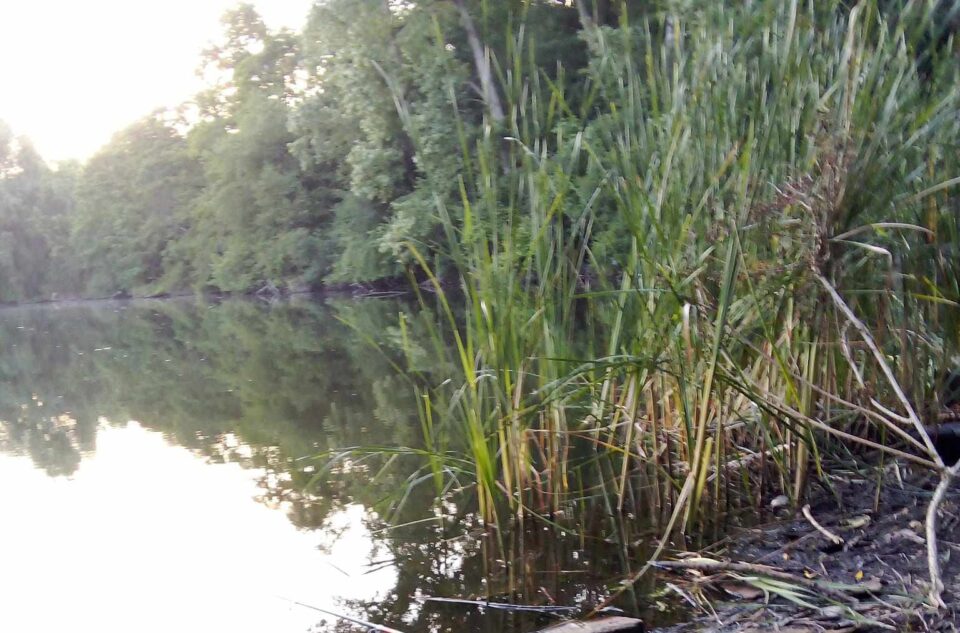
{"type": "Point", "coordinates": [256, 223]}
{"type": "Point", "coordinates": [34, 205]}
{"type": "Point", "coordinates": [132, 201]}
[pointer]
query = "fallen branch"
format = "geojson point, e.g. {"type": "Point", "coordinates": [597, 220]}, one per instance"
{"type": "Point", "coordinates": [713, 566]}
{"type": "Point", "coordinates": [933, 556]}
{"type": "Point", "coordinates": [833, 538]}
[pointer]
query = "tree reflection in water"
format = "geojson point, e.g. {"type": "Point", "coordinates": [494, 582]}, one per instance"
{"type": "Point", "coordinates": [270, 387]}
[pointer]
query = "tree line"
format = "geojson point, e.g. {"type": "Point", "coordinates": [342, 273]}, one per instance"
{"type": "Point", "coordinates": [318, 157]}
{"type": "Point", "coordinates": [312, 158]}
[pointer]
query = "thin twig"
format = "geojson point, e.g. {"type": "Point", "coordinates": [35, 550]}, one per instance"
{"type": "Point", "coordinates": [836, 540]}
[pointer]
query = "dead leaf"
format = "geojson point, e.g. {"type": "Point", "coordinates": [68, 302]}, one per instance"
{"type": "Point", "coordinates": [742, 590]}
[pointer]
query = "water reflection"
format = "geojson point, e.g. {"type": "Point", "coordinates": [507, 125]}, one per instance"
{"type": "Point", "coordinates": [144, 536]}
{"type": "Point", "coordinates": [151, 524]}
{"type": "Point", "coordinates": [207, 513]}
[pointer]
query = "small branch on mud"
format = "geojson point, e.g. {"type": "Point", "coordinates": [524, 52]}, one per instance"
{"type": "Point", "coordinates": [833, 538]}
{"type": "Point", "coordinates": [933, 556]}
{"type": "Point", "coordinates": [710, 565]}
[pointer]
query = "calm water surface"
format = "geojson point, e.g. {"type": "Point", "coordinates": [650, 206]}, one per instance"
{"type": "Point", "coordinates": [158, 473]}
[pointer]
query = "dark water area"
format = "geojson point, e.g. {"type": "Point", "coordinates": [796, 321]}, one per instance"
{"type": "Point", "coordinates": [166, 465]}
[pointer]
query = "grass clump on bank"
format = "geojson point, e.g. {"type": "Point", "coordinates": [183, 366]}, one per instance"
{"type": "Point", "coordinates": [722, 256]}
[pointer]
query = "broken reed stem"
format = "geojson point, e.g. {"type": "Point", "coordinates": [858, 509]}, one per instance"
{"type": "Point", "coordinates": [836, 540]}
{"type": "Point", "coordinates": [712, 566]}
{"type": "Point", "coordinates": [946, 474]}
{"type": "Point", "coordinates": [878, 356]}
{"type": "Point", "coordinates": [933, 556]}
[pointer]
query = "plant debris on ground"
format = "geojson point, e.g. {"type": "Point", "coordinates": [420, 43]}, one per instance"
{"type": "Point", "coordinates": [871, 577]}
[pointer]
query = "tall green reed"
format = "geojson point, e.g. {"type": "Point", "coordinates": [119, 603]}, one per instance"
{"type": "Point", "coordinates": [641, 325]}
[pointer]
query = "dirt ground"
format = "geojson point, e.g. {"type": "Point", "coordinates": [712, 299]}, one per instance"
{"type": "Point", "coordinates": [876, 579]}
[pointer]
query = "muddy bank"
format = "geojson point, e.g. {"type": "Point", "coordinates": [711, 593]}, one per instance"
{"type": "Point", "coordinates": [854, 560]}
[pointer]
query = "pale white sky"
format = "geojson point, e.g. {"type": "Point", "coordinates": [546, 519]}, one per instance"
{"type": "Point", "coordinates": [73, 72]}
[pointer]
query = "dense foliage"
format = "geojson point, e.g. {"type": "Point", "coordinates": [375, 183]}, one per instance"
{"type": "Point", "coordinates": [312, 158]}
{"type": "Point", "coordinates": [319, 157]}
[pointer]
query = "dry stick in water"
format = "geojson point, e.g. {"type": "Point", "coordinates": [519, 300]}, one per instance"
{"type": "Point", "coordinates": [946, 474]}
{"type": "Point", "coordinates": [632, 580]}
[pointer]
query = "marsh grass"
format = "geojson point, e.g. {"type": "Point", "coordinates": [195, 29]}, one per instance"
{"type": "Point", "coordinates": [641, 322]}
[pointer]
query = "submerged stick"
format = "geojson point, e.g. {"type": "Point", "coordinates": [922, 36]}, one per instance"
{"type": "Point", "coordinates": [503, 606]}
{"type": "Point", "coordinates": [369, 625]}
{"type": "Point", "coordinates": [629, 582]}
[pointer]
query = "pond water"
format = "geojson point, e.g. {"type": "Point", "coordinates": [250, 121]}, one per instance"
{"type": "Point", "coordinates": [165, 467]}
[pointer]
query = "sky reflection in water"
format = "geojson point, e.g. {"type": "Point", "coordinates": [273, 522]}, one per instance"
{"type": "Point", "coordinates": [149, 537]}
{"type": "Point", "coordinates": [197, 517]}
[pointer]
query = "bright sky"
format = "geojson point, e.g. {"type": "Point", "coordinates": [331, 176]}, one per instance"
{"type": "Point", "coordinates": [74, 72]}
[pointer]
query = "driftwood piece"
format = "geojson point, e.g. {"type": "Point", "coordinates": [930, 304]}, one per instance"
{"type": "Point", "coordinates": [612, 624]}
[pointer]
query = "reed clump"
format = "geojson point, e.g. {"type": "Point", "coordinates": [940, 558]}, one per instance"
{"type": "Point", "coordinates": [726, 256]}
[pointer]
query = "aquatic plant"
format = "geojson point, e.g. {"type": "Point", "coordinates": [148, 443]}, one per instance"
{"type": "Point", "coordinates": [722, 260]}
